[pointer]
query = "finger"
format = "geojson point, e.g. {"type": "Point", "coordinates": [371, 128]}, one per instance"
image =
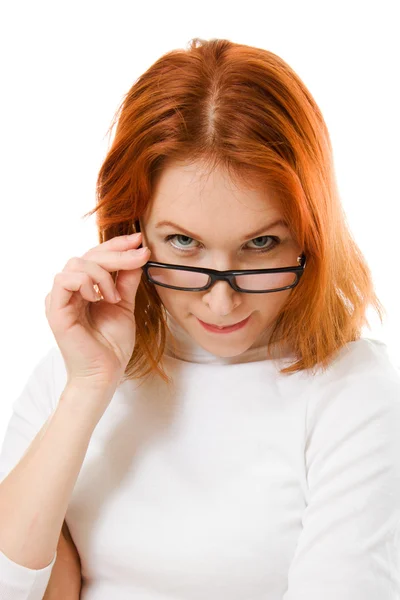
{"type": "Point", "coordinates": [127, 284]}
{"type": "Point", "coordinates": [129, 260]}
{"type": "Point", "coordinates": [47, 301]}
{"type": "Point", "coordinates": [119, 242]}
{"type": "Point", "coordinates": [119, 260]}
{"type": "Point", "coordinates": [68, 282]}
{"type": "Point", "coordinates": [100, 276]}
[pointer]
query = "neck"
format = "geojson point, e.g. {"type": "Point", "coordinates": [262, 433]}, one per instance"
{"type": "Point", "coordinates": [182, 346]}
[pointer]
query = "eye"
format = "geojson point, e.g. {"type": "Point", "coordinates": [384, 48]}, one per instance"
{"type": "Point", "coordinates": [177, 235]}
{"type": "Point", "coordinates": [271, 246]}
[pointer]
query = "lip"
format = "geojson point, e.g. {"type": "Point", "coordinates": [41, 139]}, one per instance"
{"type": "Point", "coordinates": [235, 327]}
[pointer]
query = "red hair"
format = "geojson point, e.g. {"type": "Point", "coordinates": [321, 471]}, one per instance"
{"type": "Point", "coordinates": [244, 109]}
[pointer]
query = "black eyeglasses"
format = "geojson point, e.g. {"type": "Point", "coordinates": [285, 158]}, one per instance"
{"type": "Point", "coordinates": [195, 279]}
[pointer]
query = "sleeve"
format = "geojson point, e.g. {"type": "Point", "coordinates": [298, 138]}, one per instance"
{"type": "Point", "coordinates": [30, 411]}
{"type": "Point", "coordinates": [349, 546]}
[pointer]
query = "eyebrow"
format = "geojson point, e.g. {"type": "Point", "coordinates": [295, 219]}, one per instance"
{"type": "Point", "coordinates": [276, 223]}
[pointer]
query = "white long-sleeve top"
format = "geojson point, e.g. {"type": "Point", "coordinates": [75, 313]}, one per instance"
{"type": "Point", "coordinates": [238, 483]}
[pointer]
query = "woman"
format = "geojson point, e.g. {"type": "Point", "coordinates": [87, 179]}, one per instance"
{"type": "Point", "coordinates": [211, 423]}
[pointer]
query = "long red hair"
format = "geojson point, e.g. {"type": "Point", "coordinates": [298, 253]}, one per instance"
{"type": "Point", "coordinates": [242, 108]}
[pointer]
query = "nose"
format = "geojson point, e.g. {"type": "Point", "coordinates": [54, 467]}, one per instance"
{"type": "Point", "coordinates": [221, 298]}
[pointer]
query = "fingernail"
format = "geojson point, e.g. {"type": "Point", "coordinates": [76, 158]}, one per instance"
{"type": "Point", "coordinates": [142, 250]}
{"type": "Point", "coordinates": [132, 235]}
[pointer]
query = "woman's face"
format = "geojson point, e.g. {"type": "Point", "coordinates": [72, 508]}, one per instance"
{"type": "Point", "coordinates": [215, 218]}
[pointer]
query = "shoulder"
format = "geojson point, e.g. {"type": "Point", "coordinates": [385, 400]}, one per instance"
{"type": "Point", "coordinates": [360, 387]}
{"type": "Point", "coordinates": [363, 355]}
{"type": "Point", "coordinates": [358, 365]}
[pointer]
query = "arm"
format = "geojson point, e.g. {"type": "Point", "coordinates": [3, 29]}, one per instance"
{"type": "Point", "coordinates": [65, 580]}
{"type": "Point", "coordinates": [34, 496]}
{"type": "Point", "coordinates": [349, 548]}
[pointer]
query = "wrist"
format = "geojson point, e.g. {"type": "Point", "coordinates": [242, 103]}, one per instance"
{"type": "Point", "coordinates": [86, 401]}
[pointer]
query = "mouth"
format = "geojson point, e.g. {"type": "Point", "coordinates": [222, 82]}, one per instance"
{"type": "Point", "coordinates": [224, 329]}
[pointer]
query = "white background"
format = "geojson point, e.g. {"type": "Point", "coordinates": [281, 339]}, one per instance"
{"type": "Point", "coordinates": [64, 70]}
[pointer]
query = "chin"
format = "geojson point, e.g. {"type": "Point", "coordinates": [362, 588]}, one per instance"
{"type": "Point", "coordinates": [224, 342]}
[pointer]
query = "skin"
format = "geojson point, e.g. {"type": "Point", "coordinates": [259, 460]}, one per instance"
{"type": "Point", "coordinates": [65, 580]}
{"type": "Point", "coordinates": [221, 212]}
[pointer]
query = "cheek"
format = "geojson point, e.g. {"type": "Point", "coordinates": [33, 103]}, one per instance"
{"type": "Point", "coordinates": [273, 302]}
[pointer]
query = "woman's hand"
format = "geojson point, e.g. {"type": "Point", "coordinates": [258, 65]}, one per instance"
{"type": "Point", "coordinates": [65, 580]}
{"type": "Point", "coordinates": [96, 339]}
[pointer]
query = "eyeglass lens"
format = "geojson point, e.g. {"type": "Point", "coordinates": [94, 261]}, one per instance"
{"type": "Point", "coordinates": [191, 279]}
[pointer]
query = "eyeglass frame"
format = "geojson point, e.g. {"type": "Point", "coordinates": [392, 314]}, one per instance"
{"type": "Point", "coordinates": [228, 275]}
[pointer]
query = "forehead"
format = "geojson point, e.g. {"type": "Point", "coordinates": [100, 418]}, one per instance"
{"type": "Point", "coordinates": [191, 194]}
